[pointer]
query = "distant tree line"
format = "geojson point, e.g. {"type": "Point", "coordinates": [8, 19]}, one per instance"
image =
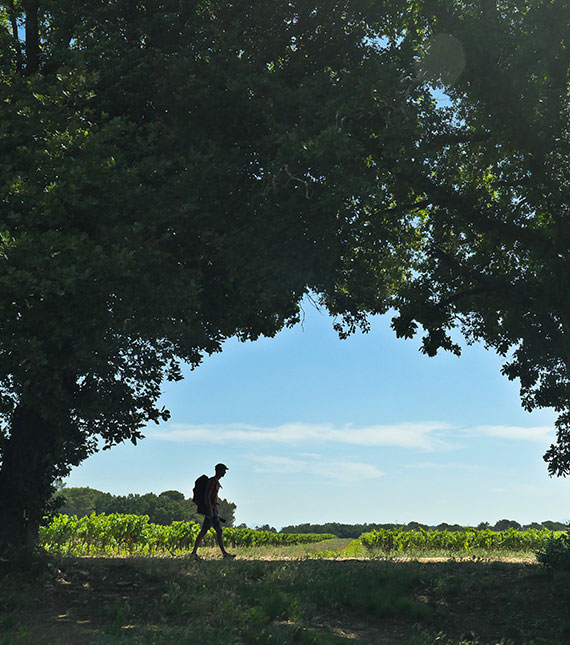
{"type": "Point", "coordinates": [356, 530]}
{"type": "Point", "coordinates": [165, 508]}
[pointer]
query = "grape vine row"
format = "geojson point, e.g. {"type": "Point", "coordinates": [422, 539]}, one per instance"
{"type": "Point", "coordinates": [135, 534]}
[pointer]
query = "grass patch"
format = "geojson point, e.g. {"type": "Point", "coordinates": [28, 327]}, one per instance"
{"type": "Point", "coordinates": [108, 601]}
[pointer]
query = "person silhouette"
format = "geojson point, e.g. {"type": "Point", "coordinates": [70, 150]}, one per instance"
{"type": "Point", "coordinates": [210, 506]}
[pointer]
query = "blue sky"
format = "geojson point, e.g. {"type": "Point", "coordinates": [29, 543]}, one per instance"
{"type": "Point", "coordinates": [315, 429]}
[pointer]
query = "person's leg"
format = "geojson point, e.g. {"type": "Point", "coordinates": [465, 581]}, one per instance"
{"type": "Point", "coordinates": [205, 528]}
{"type": "Point", "coordinates": [220, 538]}
{"type": "Point", "coordinates": [199, 539]}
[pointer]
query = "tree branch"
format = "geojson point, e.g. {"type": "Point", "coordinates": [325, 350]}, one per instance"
{"type": "Point", "coordinates": [467, 209]}
{"type": "Point", "coordinates": [482, 283]}
{"type": "Point", "coordinates": [455, 138]}
{"type": "Point", "coordinates": [476, 291]}
{"type": "Point", "coordinates": [403, 208]}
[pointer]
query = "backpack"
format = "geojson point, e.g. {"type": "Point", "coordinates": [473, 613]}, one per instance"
{"type": "Point", "coordinates": [199, 494]}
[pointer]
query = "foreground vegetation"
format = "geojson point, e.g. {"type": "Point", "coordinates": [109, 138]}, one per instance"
{"type": "Point", "coordinates": [285, 595]}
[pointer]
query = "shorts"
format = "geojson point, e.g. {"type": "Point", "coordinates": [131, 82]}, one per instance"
{"type": "Point", "coordinates": [209, 522]}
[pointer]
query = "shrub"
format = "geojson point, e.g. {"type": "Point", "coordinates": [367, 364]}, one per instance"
{"type": "Point", "coordinates": [555, 552]}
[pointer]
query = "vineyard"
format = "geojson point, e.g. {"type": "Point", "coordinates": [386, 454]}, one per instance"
{"type": "Point", "coordinates": [395, 541]}
{"type": "Point", "coordinates": [116, 534]}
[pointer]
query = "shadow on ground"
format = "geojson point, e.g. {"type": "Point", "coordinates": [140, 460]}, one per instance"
{"type": "Point", "coordinates": [177, 600]}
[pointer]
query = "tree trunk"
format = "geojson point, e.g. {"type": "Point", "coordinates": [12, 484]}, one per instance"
{"type": "Point", "coordinates": [26, 477]}
{"type": "Point", "coordinates": [15, 36]}
{"type": "Point", "coordinates": [32, 36]}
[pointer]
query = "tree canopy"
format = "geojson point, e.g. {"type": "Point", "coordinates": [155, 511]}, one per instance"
{"type": "Point", "coordinates": [496, 231]}
{"type": "Point", "coordinates": [175, 173]}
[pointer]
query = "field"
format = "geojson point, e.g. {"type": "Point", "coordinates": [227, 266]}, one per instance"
{"type": "Point", "coordinates": [332, 591]}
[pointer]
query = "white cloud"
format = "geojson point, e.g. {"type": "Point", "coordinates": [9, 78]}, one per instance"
{"type": "Point", "coordinates": [446, 465]}
{"type": "Point", "coordinates": [422, 436]}
{"type": "Point", "coordinates": [270, 464]}
{"type": "Point", "coordinates": [426, 436]}
{"type": "Point", "coordinates": [518, 433]}
{"type": "Point", "coordinates": [345, 471]}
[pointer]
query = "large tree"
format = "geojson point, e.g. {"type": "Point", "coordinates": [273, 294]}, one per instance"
{"type": "Point", "coordinates": [175, 173]}
{"type": "Point", "coordinates": [172, 174]}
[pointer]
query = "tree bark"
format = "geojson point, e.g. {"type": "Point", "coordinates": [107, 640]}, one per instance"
{"type": "Point", "coordinates": [26, 477]}
{"type": "Point", "coordinates": [32, 37]}
{"type": "Point", "coordinates": [15, 35]}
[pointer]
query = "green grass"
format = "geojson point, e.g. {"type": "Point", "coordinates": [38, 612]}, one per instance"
{"type": "Point", "coordinates": [286, 595]}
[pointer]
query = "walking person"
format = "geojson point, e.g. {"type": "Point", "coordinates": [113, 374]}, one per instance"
{"type": "Point", "coordinates": [209, 508]}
